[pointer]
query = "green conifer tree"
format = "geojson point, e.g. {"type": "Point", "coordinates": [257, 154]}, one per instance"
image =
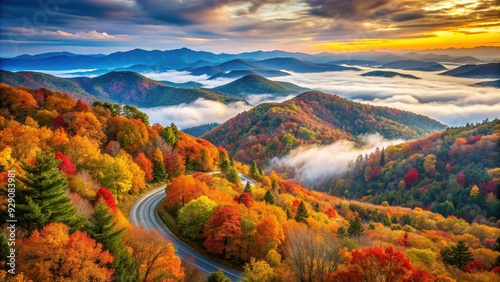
{"type": "Point", "coordinates": [288, 214]}
{"type": "Point", "coordinates": [223, 162]}
{"type": "Point", "coordinates": [233, 176]}
{"type": "Point", "coordinates": [254, 170]}
{"type": "Point", "coordinates": [382, 158]}
{"type": "Point", "coordinates": [43, 198]}
{"type": "Point", "coordinates": [355, 228]}
{"type": "Point", "coordinates": [460, 255]}
{"type": "Point", "coordinates": [103, 229]}
{"type": "Point", "coordinates": [159, 173]}
{"type": "Point", "coordinates": [302, 213]}
{"type": "Point", "coordinates": [248, 188]}
{"type": "Point", "coordinates": [274, 185]}
{"type": "Point", "coordinates": [269, 197]}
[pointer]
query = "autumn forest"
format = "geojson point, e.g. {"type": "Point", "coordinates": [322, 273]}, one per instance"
{"type": "Point", "coordinates": [79, 167]}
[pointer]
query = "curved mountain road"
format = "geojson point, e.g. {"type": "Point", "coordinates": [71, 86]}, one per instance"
{"type": "Point", "coordinates": [143, 213]}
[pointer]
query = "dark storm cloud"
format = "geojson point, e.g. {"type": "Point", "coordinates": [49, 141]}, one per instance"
{"type": "Point", "coordinates": [346, 9]}
{"type": "Point", "coordinates": [404, 17]}
{"type": "Point", "coordinates": [195, 11]}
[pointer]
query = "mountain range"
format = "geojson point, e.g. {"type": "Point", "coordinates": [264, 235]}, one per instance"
{"type": "Point", "coordinates": [491, 70]}
{"type": "Point", "coordinates": [200, 62]}
{"type": "Point", "coordinates": [274, 129]}
{"type": "Point", "coordinates": [120, 87]}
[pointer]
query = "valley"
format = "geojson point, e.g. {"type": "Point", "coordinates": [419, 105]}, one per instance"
{"type": "Point", "coordinates": [344, 160]}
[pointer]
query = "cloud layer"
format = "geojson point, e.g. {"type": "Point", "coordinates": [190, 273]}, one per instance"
{"type": "Point", "coordinates": [231, 25]}
{"type": "Point", "coordinates": [313, 163]}
{"type": "Point", "coordinates": [199, 112]}
{"type": "Point", "coordinates": [447, 99]}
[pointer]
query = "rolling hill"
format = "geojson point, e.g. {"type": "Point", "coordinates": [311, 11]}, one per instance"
{"type": "Point", "coordinates": [255, 84]}
{"type": "Point", "coordinates": [414, 65]}
{"type": "Point", "coordinates": [199, 130]}
{"type": "Point", "coordinates": [121, 87]}
{"type": "Point", "coordinates": [296, 65]}
{"type": "Point", "coordinates": [274, 129]}
{"type": "Point", "coordinates": [492, 83]}
{"type": "Point", "coordinates": [389, 74]}
{"type": "Point", "coordinates": [268, 66]}
{"type": "Point", "coordinates": [438, 172]}
{"type": "Point", "coordinates": [491, 70]}
{"type": "Point", "coordinates": [242, 73]}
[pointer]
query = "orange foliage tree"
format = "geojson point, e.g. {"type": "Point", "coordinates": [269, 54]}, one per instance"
{"type": "Point", "coordinates": [54, 255]}
{"type": "Point", "coordinates": [146, 165]}
{"type": "Point", "coordinates": [156, 259]}
{"type": "Point", "coordinates": [182, 190]}
{"type": "Point", "coordinates": [376, 264]}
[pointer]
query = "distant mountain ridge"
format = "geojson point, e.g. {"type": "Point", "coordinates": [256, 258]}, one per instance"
{"type": "Point", "coordinates": [491, 70]}
{"type": "Point", "coordinates": [389, 74]}
{"type": "Point", "coordinates": [121, 87]}
{"type": "Point", "coordinates": [414, 65]}
{"type": "Point", "coordinates": [274, 129]}
{"type": "Point", "coordinates": [255, 84]}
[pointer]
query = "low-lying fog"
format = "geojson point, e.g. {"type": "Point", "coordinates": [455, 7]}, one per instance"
{"type": "Point", "coordinates": [450, 100]}
{"type": "Point", "coordinates": [315, 162]}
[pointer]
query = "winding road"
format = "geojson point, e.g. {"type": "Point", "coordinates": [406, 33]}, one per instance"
{"type": "Point", "coordinates": [143, 213]}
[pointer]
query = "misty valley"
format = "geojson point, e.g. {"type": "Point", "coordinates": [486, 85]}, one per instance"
{"type": "Point", "coordinates": [183, 165]}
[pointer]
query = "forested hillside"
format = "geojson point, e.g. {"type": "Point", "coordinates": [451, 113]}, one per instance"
{"type": "Point", "coordinates": [274, 129]}
{"type": "Point", "coordinates": [74, 164]}
{"type": "Point", "coordinates": [119, 87]}
{"type": "Point", "coordinates": [455, 172]}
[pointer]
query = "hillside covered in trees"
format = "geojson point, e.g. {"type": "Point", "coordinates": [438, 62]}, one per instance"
{"type": "Point", "coordinates": [455, 172]}
{"type": "Point", "coordinates": [124, 87]}
{"type": "Point", "coordinates": [77, 165]}
{"type": "Point", "coordinates": [274, 129]}
{"type": "Point", "coordinates": [256, 85]}
{"type": "Point", "coordinates": [74, 165]}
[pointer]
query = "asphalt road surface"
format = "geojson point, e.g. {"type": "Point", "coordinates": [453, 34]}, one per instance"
{"type": "Point", "coordinates": [143, 213]}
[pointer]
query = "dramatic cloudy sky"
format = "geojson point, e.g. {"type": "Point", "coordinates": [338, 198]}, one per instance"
{"type": "Point", "coordinates": [104, 26]}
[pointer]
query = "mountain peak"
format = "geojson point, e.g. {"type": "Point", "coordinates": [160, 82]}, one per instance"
{"type": "Point", "coordinates": [312, 117]}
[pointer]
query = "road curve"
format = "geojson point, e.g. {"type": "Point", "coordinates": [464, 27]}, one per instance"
{"type": "Point", "coordinates": [143, 213]}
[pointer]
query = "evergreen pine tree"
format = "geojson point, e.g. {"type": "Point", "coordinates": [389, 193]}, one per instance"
{"type": "Point", "coordinates": [103, 230]}
{"type": "Point", "coordinates": [269, 197]}
{"type": "Point", "coordinates": [460, 255]}
{"type": "Point", "coordinates": [248, 188]}
{"type": "Point", "coordinates": [223, 162]}
{"type": "Point", "coordinates": [233, 176]}
{"type": "Point", "coordinates": [288, 214]}
{"type": "Point", "coordinates": [254, 171]}
{"type": "Point", "coordinates": [43, 199]}
{"type": "Point", "coordinates": [274, 185]}
{"type": "Point", "coordinates": [302, 213]}
{"type": "Point", "coordinates": [355, 228]}
{"type": "Point", "coordinates": [159, 173]}
{"type": "Point", "coordinates": [316, 207]}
